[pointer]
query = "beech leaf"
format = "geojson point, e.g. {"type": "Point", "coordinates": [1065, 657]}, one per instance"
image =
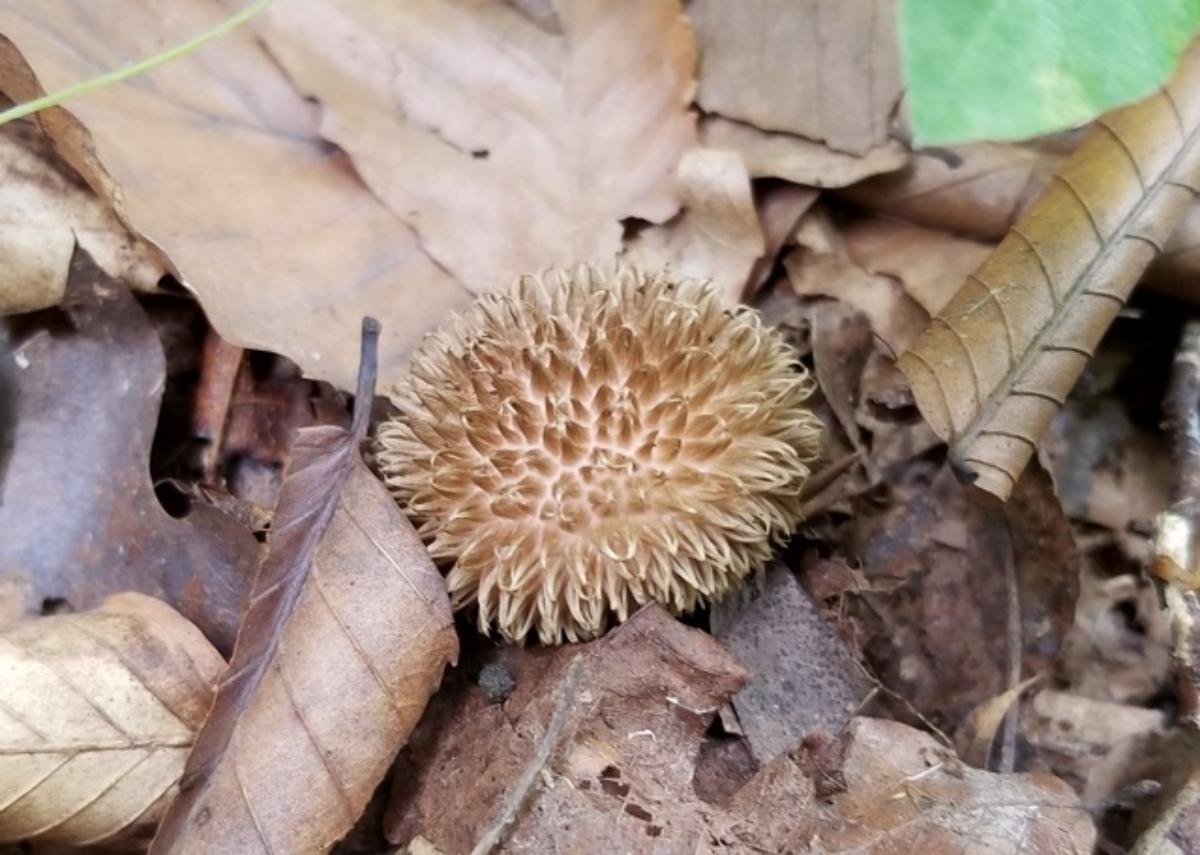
{"type": "Point", "coordinates": [344, 640]}
{"type": "Point", "coordinates": [996, 364]}
{"type": "Point", "coordinates": [99, 713]}
{"type": "Point", "coordinates": [509, 143]}
{"type": "Point", "coordinates": [216, 159]}
{"type": "Point", "coordinates": [826, 69]}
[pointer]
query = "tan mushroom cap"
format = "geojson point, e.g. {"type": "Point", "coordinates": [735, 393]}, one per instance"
{"type": "Point", "coordinates": [592, 441]}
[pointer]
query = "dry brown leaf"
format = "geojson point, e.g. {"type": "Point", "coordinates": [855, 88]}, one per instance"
{"type": "Point", "coordinates": [977, 733]}
{"type": "Point", "coordinates": [796, 159]}
{"type": "Point", "coordinates": [937, 564]}
{"type": "Point", "coordinates": [508, 146]}
{"type": "Point", "coordinates": [826, 70]}
{"type": "Point", "coordinates": [45, 212]}
{"type": "Point", "coordinates": [632, 707]}
{"type": "Point", "coordinates": [341, 646]}
{"type": "Point", "coordinates": [215, 158]}
{"type": "Point", "coordinates": [780, 209]}
{"type": "Point", "coordinates": [717, 236]}
{"type": "Point", "coordinates": [99, 712]}
{"type": "Point", "coordinates": [996, 364]}
{"type": "Point", "coordinates": [896, 318]}
{"type": "Point", "coordinates": [1079, 732]}
{"type": "Point", "coordinates": [976, 190]}
{"type": "Point", "coordinates": [929, 264]}
{"type": "Point", "coordinates": [613, 733]}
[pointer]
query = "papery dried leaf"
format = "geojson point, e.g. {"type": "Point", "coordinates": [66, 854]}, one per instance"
{"type": "Point", "coordinates": [342, 644]}
{"type": "Point", "coordinates": [717, 236]}
{"type": "Point", "coordinates": [44, 211]}
{"type": "Point", "coordinates": [977, 190]}
{"type": "Point", "coordinates": [510, 144]}
{"type": "Point", "coordinates": [977, 734]}
{"type": "Point", "coordinates": [620, 773]}
{"type": "Point", "coordinates": [995, 365]}
{"type": "Point", "coordinates": [826, 70]}
{"type": "Point", "coordinates": [930, 264]}
{"type": "Point", "coordinates": [98, 715]}
{"type": "Point", "coordinates": [79, 519]}
{"type": "Point", "coordinates": [779, 155]}
{"type": "Point", "coordinates": [215, 158]}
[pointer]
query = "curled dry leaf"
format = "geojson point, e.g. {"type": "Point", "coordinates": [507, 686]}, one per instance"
{"type": "Point", "coordinates": [343, 642]}
{"type": "Point", "coordinates": [717, 236]}
{"type": "Point", "coordinates": [796, 159]}
{"type": "Point", "coordinates": [78, 512]}
{"type": "Point", "coordinates": [45, 211]}
{"type": "Point", "coordinates": [826, 70]}
{"type": "Point", "coordinates": [511, 144]}
{"type": "Point", "coordinates": [216, 159]}
{"type": "Point", "coordinates": [995, 365]}
{"type": "Point", "coordinates": [99, 713]}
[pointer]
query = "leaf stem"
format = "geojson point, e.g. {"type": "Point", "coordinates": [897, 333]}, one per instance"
{"type": "Point", "coordinates": [20, 111]}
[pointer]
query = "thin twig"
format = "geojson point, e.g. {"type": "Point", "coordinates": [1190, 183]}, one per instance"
{"type": "Point", "coordinates": [517, 796]}
{"type": "Point", "coordinates": [1016, 647]}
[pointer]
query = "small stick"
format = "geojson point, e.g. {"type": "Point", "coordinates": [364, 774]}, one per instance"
{"type": "Point", "coordinates": [519, 794]}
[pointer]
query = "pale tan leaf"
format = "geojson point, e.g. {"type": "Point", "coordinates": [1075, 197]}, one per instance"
{"type": "Point", "coordinates": [977, 190]}
{"type": "Point", "coordinates": [780, 209]}
{"type": "Point", "coordinates": [995, 365]}
{"type": "Point", "coordinates": [342, 643]}
{"type": "Point", "coordinates": [826, 69]}
{"type": "Point", "coordinates": [43, 212]}
{"type": "Point", "coordinates": [215, 158]}
{"type": "Point", "coordinates": [717, 236]}
{"type": "Point", "coordinates": [97, 714]}
{"type": "Point", "coordinates": [929, 263]}
{"type": "Point", "coordinates": [507, 146]}
{"type": "Point", "coordinates": [781, 155]}
{"type": "Point", "coordinates": [977, 733]}
{"type": "Point", "coordinates": [896, 318]}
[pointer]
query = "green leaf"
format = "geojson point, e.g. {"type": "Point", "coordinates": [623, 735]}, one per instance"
{"type": "Point", "coordinates": [1012, 69]}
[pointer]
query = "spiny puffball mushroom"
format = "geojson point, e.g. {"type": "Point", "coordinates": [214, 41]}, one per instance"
{"type": "Point", "coordinates": [591, 441]}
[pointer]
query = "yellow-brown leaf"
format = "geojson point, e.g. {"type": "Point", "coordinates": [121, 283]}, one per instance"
{"type": "Point", "coordinates": [994, 366]}
{"type": "Point", "coordinates": [98, 714]}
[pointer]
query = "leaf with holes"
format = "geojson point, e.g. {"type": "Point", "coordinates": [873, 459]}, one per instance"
{"type": "Point", "coordinates": [99, 711]}
{"type": "Point", "coordinates": [995, 365]}
{"type": "Point", "coordinates": [343, 642]}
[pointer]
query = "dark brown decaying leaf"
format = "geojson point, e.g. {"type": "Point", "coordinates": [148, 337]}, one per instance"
{"type": "Point", "coordinates": [620, 768]}
{"type": "Point", "coordinates": [78, 513]}
{"type": "Point", "coordinates": [344, 640]}
{"type": "Point", "coordinates": [802, 676]}
{"type": "Point", "coordinates": [826, 70]}
{"type": "Point", "coordinates": [995, 365]}
{"type": "Point", "coordinates": [99, 713]}
{"type": "Point", "coordinates": [936, 565]}
{"type": "Point", "coordinates": [620, 723]}
{"type": "Point", "coordinates": [215, 158]}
